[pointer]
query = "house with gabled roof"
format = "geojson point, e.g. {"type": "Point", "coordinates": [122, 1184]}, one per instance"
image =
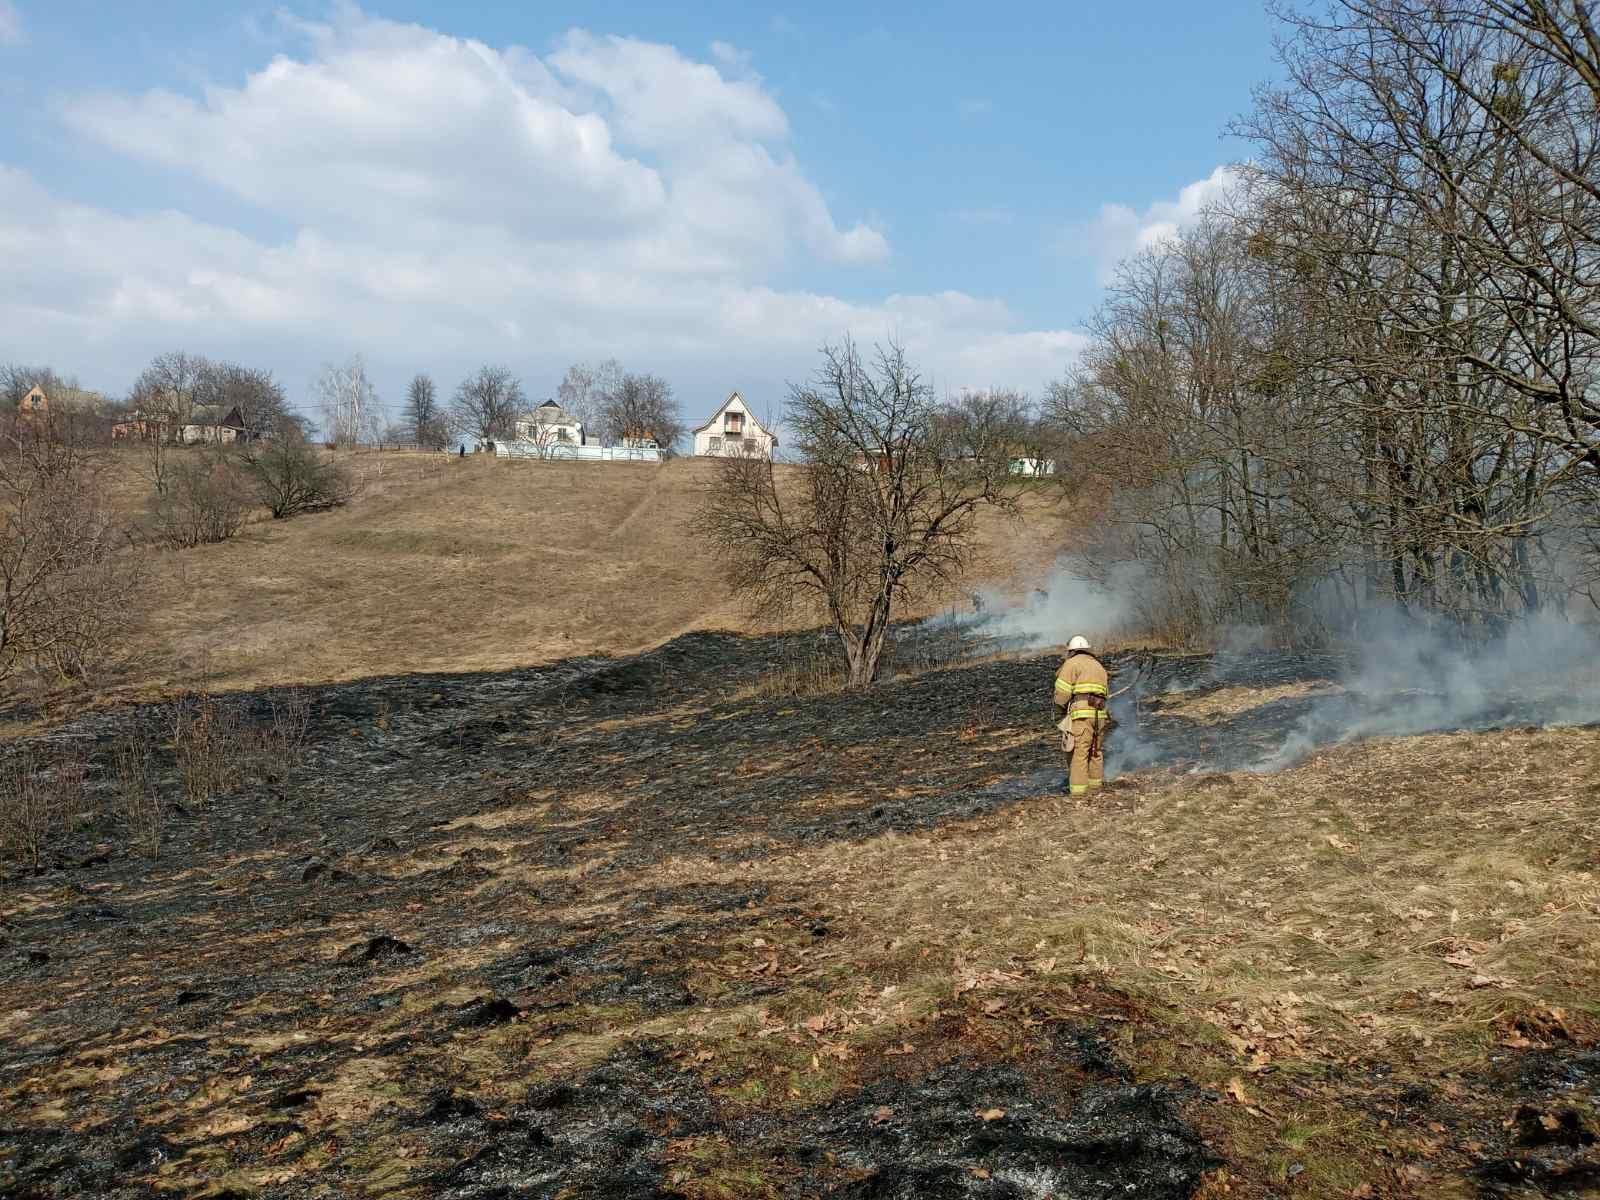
{"type": "Point", "coordinates": [212, 423]}
{"type": "Point", "coordinates": [35, 403]}
{"type": "Point", "coordinates": [551, 425]}
{"type": "Point", "coordinates": [734, 430]}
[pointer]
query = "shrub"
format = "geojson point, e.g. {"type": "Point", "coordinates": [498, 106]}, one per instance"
{"type": "Point", "coordinates": [206, 740]}
{"type": "Point", "coordinates": [69, 585]}
{"type": "Point", "coordinates": [277, 742]}
{"type": "Point", "coordinates": [206, 499]}
{"type": "Point", "coordinates": [293, 477]}
{"type": "Point", "coordinates": [41, 792]}
{"type": "Point", "coordinates": [138, 796]}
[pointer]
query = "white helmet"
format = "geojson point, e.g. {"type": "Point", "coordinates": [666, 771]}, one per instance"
{"type": "Point", "coordinates": [1078, 643]}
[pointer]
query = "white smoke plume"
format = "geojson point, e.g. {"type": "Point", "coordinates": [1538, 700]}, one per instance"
{"type": "Point", "coordinates": [1399, 675]}
{"type": "Point", "coordinates": [1073, 601]}
{"type": "Point", "coordinates": [1408, 678]}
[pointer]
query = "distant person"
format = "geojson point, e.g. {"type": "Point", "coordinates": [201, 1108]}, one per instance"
{"type": "Point", "coordinates": [463, 449]}
{"type": "Point", "coordinates": [1081, 695]}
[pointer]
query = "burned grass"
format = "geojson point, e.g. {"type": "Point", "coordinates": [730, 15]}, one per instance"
{"type": "Point", "coordinates": [607, 928]}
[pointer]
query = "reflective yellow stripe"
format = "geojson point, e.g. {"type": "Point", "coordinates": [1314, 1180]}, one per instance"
{"type": "Point", "coordinates": [1063, 686]}
{"type": "Point", "coordinates": [1078, 789]}
{"type": "Point", "coordinates": [1086, 714]}
{"type": "Point", "coordinates": [1089, 689]}
{"type": "Point", "coordinates": [1094, 783]}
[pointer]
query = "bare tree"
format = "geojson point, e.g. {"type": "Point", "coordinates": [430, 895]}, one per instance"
{"type": "Point", "coordinates": [1419, 197]}
{"type": "Point", "coordinates": [583, 388]}
{"type": "Point", "coordinates": [207, 500]}
{"type": "Point", "coordinates": [423, 416]}
{"type": "Point", "coordinates": [260, 399]}
{"type": "Point", "coordinates": [351, 413]}
{"type": "Point", "coordinates": [881, 510]}
{"type": "Point", "coordinates": [291, 478]}
{"type": "Point", "coordinates": [162, 399]}
{"type": "Point", "coordinates": [487, 403]}
{"type": "Point", "coordinates": [641, 408]}
{"type": "Point", "coordinates": [69, 588]}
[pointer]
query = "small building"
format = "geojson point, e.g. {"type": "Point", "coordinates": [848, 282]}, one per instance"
{"type": "Point", "coordinates": [136, 427]}
{"type": "Point", "coordinates": [1033, 466]}
{"type": "Point", "coordinates": [733, 430]}
{"type": "Point", "coordinates": [212, 423]}
{"type": "Point", "coordinates": [550, 425]}
{"type": "Point", "coordinates": [34, 404]}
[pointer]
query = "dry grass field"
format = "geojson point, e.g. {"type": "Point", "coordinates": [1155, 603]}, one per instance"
{"type": "Point", "coordinates": [567, 891]}
{"type": "Point", "coordinates": [448, 564]}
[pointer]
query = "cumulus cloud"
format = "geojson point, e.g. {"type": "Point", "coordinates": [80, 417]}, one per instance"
{"type": "Point", "coordinates": [451, 202]}
{"type": "Point", "coordinates": [1120, 230]}
{"type": "Point", "coordinates": [11, 31]}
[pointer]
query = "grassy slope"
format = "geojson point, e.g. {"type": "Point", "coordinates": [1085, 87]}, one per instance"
{"type": "Point", "coordinates": [1352, 957]}
{"type": "Point", "coordinates": [1314, 946]}
{"type": "Point", "coordinates": [456, 565]}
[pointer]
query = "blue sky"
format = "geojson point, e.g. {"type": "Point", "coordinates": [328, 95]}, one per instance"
{"type": "Point", "coordinates": [703, 190]}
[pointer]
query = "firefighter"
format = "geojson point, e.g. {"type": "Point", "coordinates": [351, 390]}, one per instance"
{"type": "Point", "coordinates": [1082, 692]}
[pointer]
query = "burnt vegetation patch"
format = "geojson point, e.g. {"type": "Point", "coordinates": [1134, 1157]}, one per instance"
{"type": "Point", "coordinates": [592, 929]}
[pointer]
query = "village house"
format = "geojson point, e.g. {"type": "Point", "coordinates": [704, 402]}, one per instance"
{"type": "Point", "coordinates": [212, 423]}
{"type": "Point", "coordinates": [733, 430]}
{"type": "Point", "coordinates": [1033, 466]}
{"type": "Point", "coordinates": [63, 402]}
{"type": "Point", "coordinates": [139, 426]}
{"type": "Point", "coordinates": [550, 425]}
{"type": "Point", "coordinates": [34, 404]}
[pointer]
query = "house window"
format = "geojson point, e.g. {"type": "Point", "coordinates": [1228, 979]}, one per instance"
{"type": "Point", "coordinates": [733, 423]}
{"type": "Point", "coordinates": [716, 445]}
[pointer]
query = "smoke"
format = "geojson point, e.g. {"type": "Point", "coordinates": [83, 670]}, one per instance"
{"type": "Point", "coordinates": [1072, 602]}
{"type": "Point", "coordinates": [1408, 678]}
{"type": "Point", "coordinates": [1400, 675]}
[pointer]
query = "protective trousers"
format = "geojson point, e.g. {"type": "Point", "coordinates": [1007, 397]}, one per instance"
{"type": "Point", "coordinates": [1088, 751]}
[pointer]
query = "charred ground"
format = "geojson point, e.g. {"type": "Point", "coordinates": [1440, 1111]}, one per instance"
{"type": "Point", "coordinates": [632, 928]}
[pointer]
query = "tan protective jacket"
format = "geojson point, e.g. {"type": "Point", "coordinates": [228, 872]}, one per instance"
{"type": "Point", "coordinates": [1081, 675]}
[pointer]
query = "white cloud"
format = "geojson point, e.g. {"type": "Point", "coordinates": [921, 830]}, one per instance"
{"type": "Point", "coordinates": [452, 203]}
{"type": "Point", "coordinates": [11, 31]}
{"type": "Point", "coordinates": [731, 57]}
{"type": "Point", "coordinates": [1120, 231]}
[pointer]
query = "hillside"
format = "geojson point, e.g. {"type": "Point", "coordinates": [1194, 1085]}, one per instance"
{"type": "Point", "coordinates": [533, 885]}
{"type": "Point", "coordinates": [622, 928]}
{"type": "Point", "coordinates": [444, 564]}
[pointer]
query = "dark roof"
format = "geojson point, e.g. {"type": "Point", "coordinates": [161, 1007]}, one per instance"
{"type": "Point", "coordinates": [216, 415]}
{"type": "Point", "coordinates": [549, 404]}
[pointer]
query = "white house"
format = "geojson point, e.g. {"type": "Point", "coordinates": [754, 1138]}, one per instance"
{"type": "Point", "coordinates": [733, 429]}
{"type": "Point", "coordinates": [1033, 466]}
{"type": "Point", "coordinates": [550, 425]}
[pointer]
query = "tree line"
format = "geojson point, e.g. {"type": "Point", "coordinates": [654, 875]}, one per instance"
{"type": "Point", "coordinates": [1366, 380]}
{"type": "Point", "coordinates": [609, 402]}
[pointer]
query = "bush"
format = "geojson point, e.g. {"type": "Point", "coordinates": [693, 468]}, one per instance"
{"type": "Point", "coordinates": [293, 477]}
{"type": "Point", "coordinates": [41, 792]}
{"type": "Point", "coordinates": [206, 499]}
{"type": "Point", "coordinates": [71, 586]}
{"type": "Point", "coordinates": [276, 744]}
{"type": "Point", "coordinates": [207, 742]}
{"type": "Point", "coordinates": [138, 795]}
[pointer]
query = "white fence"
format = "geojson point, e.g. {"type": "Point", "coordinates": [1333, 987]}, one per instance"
{"type": "Point", "coordinates": [564, 451]}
